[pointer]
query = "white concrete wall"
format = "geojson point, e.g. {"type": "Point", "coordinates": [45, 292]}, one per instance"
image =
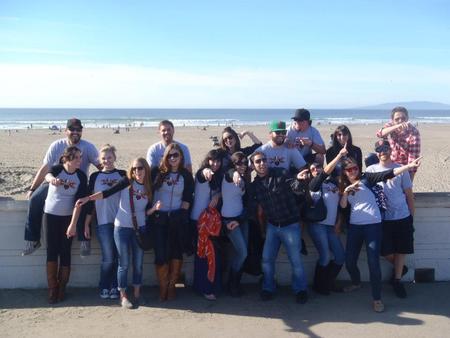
{"type": "Point", "coordinates": [432, 250]}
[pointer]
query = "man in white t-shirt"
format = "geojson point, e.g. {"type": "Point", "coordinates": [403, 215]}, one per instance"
{"type": "Point", "coordinates": [38, 191]}
{"type": "Point", "coordinates": [398, 240]}
{"type": "Point", "coordinates": [156, 151]}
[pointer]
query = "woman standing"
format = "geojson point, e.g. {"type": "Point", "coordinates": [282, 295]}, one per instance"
{"type": "Point", "coordinates": [173, 189]}
{"type": "Point", "coordinates": [106, 211]}
{"type": "Point", "coordinates": [67, 184]}
{"type": "Point", "coordinates": [340, 138]}
{"type": "Point", "coordinates": [234, 217]}
{"type": "Point", "coordinates": [208, 181]}
{"type": "Point", "coordinates": [325, 234]}
{"type": "Point", "coordinates": [135, 193]}
{"type": "Point", "coordinates": [365, 222]}
{"type": "Point", "coordinates": [230, 143]}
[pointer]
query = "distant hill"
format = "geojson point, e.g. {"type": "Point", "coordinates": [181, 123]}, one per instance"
{"type": "Point", "coordinates": [411, 105]}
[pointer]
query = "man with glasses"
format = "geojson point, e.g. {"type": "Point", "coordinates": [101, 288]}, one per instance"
{"type": "Point", "coordinates": [302, 136]}
{"type": "Point", "coordinates": [274, 192]}
{"type": "Point", "coordinates": [398, 230]}
{"type": "Point", "coordinates": [156, 151]}
{"type": "Point", "coordinates": [278, 154]}
{"type": "Point", "coordinates": [39, 188]}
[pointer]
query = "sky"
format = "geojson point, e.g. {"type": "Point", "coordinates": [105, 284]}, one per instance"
{"type": "Point", "coordinates": [223, 54]}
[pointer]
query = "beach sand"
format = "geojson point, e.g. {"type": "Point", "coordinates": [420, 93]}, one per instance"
{"type": "Point", "coordinates": [23, 151]}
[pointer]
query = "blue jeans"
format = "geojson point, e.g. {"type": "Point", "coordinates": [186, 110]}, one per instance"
{"type": "Point", "coordinates": [35, 212]}
{"type": "Point", "coordinates": [370, 234]}
{"type": "Point", "coordinates": [290, 237]}
{"type": "Point", "coordinates": [126, 241]}
{"type": "Point", "coordinates": [325, 239]}
{"type": "Point", "coordinates": [239, 238]}
{"type": "Point", "coordinates": [108, 267]}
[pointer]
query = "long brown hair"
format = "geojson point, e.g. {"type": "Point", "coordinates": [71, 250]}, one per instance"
{"type": "Point", "coordinates": [233, 133]}
{"type": "Point", "coordinates": [147, 177]}
{"type": "Point", "coordinates": [164, 166]}
{"type": "Point", "coordinates": [343, 179]}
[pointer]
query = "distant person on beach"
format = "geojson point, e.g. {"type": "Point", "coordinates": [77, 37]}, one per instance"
{"type": "Point", "coordinates": [340, 138]}
{"type": "Point", "coordinates": [156, 151]}
{"type": "Point", "coordinates": [105, 212]}
{"type": "Point", "coordinates": [365, 224]}
{"type": "Point", "coordinates": [134, 205]}
{"type": "Point", "coordinates": [38, 192]}
{"type": "Point", "coordinates": [403, 137]}
{"type": "Point", "coordinates": [398, 229]}
{"type": "Point", "coordinates": [230, 142]}
{"type": "Point", "coordinates": [278, 154]}
{"type": "Point", "coordinates": [67, 183]}
{"type": "Point", "coordinates": [173, 190]}
{"type": "Point", "coordinates": [304, 137]}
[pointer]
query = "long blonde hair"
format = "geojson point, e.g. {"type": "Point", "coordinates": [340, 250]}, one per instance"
{"type": "Point", "coordinates": [147, 176]}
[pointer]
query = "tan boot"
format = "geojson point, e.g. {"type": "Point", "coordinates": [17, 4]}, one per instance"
{"type": "Point", "coordinates": [63, 279]}
{"type": "Point", "coordinates": [174, 275]}
{"type": "Point", "coordinates": [52, 281]}
{"type": "Point", "coordinates": [162, 272]}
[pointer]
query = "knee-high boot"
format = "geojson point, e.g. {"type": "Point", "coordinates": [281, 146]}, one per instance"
{"type": "Point", "coordinates": [174, 275]}
{"type": "Point", "coordinates": [162, 272]}
{"type": "Point", "coordinates": [52, 281]}
{"type": "Point", "coordinates": [333, 272]}
{"type": "Point", "coordinates": [321, 280]}
{"type": "Point", "coordinates": [63, 279]}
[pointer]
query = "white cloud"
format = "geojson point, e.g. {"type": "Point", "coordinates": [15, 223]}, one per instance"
{"type": "Point", "coordinates": [100, 85]}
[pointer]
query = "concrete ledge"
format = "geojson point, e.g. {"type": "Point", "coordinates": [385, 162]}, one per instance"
{"type": "Point", "coordinates": [432, 250]}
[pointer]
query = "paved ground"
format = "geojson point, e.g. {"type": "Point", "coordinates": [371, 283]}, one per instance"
{"type": "Point", "coordinates": [425, 313]}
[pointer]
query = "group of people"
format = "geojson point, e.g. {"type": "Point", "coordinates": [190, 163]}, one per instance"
{"type": "Point", "coordinates": [265, 190]}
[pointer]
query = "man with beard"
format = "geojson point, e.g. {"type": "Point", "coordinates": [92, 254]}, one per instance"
{"type": "Point", "coordinates": [156, 151]}
{"type": "Point", "coordinates": [398, 229]}
{"type": "Point", "coordinates": [38, 192]}
{"type": "Point", "coordinates": [277, 152]}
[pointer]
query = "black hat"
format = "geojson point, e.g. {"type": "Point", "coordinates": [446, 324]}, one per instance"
{"type": "Point", "coordinates": [302, 115]}
{"type": "Point", "coordinates": [74, 123]}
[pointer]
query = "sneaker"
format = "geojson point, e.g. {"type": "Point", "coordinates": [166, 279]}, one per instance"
{"type": "Point", "coordinates": [301, 297]}
{"type": "Point", "coordinates": [114, 293]}
{"type": "Point", "coordinates": [85, 248]}
{"type": "Point", "coordinates": [266, 295]}
{"type": "Point", "coordinates": [140, 301]}
{"type": "Point", "coordinates": [30, 247]}
{"type": "Point", "coordinates": [210, 296]}
{"type": "Point", "coordinates": [399, 289]}
{"type": "Point", "coordinates": [104, 294]}
{"type": "Point", "coordinates": [125, 303]}
{"type": "Point", "coordinates": [352, 287]}
{"type": "Point", "coordinates": [378, 306]}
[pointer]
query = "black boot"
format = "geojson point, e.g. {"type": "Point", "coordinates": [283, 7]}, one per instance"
{"type": "Point", "coordinates": [321, 280]}
{"type": "Point", "coordinates": [235, 283]}
{"type": "Point", "coordinates": [333, 272]}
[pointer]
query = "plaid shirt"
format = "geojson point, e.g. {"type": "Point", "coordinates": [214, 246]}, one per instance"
{"type": "Point", "coordinates": [276, 193]}
{"type": "Point", "coordinates": [405, 145]}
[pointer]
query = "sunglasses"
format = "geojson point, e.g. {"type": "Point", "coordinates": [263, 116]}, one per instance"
{"type": "Point", "coordinates": [351, 169]}
{"type": "Point", "coordinates": [174, 156]}
{"type": "Point", "coordinates": [79, 130]}
{"type": "Point", "coordinates": [383, 149]}
{"type": "Point", "coordinates": [137, 168]}
{"type": "Point", "coordinates": [315, 168]}
{"type": "Point", "coordinates": [260, 160]}
{"type": "Point", "coordinates": [280, 132]}
{"type": "Point", "coordinates": [240, 163]}
{"type": "Point", "coordinates": [228, 138]}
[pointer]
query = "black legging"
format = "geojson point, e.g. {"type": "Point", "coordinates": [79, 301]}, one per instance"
{"type": "Point", "coordinates": [58, 245]}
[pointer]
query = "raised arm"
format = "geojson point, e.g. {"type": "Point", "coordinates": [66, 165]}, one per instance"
{"type": "Point", "coordinates": [330, 166]}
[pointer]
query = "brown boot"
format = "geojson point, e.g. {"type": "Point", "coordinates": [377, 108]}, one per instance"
{"type": "Point", "coordinates": [174, 275]}
{"type": "Point", "coordinates": [52, 281]}
{"type": "Point", "coordinates": [162, 272]}
{"type": "Point", "coordinates": [63, 279]}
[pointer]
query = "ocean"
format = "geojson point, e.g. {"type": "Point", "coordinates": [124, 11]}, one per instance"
{"type": "Point", "coordinates": [23, 118]}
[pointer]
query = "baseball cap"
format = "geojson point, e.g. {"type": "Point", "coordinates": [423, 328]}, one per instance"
{"type": "Point", "coordinates": [74, 123]}
{"type": "Point", "coordinates": [277, 126]}
{"type": "Point", "coordinates": [301, 115]}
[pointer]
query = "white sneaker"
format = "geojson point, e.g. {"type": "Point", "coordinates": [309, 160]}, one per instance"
{"type": "Point", "coordinates": [125, 303]}
{"type": "Point", "coordinates": [114, 293]}
{"type": "Point", "coordinates": [30, 247]}
{"type": "Point", "coordinates": [104, 294]}
{"type": "Point", "coordinates": [85, 248]}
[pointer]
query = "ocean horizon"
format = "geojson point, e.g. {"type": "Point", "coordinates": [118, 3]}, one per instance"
{"type": "Point", "coordinates": [44, 118]}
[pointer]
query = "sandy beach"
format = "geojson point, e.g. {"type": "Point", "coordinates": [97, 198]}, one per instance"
{"type": "Point", "coordinates": [23, 151]}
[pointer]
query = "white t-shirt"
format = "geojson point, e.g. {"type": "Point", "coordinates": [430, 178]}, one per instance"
{"type": "Point", "coordinates": [293, 137]}
{"type": "Point", "coordinates": [282, 157]}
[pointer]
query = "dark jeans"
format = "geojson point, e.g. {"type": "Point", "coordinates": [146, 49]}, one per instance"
{"type": "Point", "coordinates": [58, 245]}
{"type": "Point", "coordinates": [108, 267]}
{"type": "Point", "coordinates": [33, 223]}
{"type": "Point", "coordinates": [370, 234]}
